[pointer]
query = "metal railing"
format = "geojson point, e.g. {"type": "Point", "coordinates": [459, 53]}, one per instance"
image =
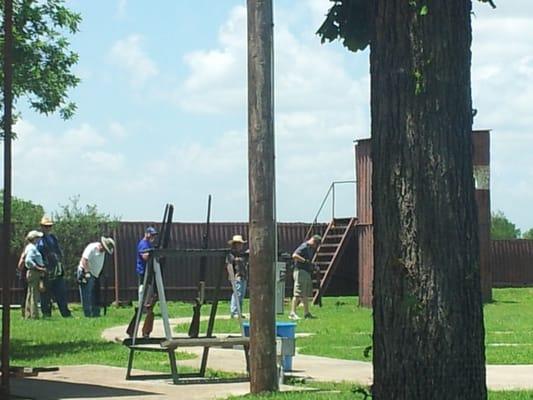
{"type": "Point", "coordinates": [331, 190]}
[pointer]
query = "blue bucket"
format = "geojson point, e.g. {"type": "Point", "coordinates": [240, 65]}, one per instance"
{"type": "Point", "coordinates": [283, 329]}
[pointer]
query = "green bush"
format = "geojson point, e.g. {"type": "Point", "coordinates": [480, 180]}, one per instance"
{"type": "Point", "coordinates": [25, 216]}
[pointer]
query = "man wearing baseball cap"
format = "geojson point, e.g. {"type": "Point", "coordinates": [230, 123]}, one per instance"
{"type": "Point", "coordinates": [89, 269]}
{"type": "Point", "coordinates": [143, 247]}
{"type": "Point", "coordinates": [303, 268]}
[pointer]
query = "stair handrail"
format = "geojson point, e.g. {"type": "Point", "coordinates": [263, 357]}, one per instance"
{"type": "Point", "coordinates": [331, 189]}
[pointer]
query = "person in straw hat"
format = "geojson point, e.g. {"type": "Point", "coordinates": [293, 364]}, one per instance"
{"type": "Point", "coordinates": [35, 270]}
{"type": "Point", "coordinates": [89, 269]}
{"type": "Point", "coordinates": [237, 259]}
{"type": "Point", "coordinates": [55, 287]}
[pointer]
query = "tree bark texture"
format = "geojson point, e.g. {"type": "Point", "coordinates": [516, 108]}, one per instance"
{"type": "Point", "coordinates": [428, 317]}
{"type": "Point", "coordinates": [263, 370]}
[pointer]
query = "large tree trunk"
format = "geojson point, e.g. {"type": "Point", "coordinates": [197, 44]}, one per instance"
{"type": "Point", "coordinates": [428, 318]}
{"type": "Point", "coordinates": [263, 370]}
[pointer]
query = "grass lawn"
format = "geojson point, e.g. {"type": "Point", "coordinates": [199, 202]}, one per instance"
{"type": "Point", "coordinates": [344, 330]}
{"type": "Point", "coordinates": [77, 340]}
{"type": "Point", "coordinates": [345, 391]}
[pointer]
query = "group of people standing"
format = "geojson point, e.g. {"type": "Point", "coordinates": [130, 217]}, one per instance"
{"type": "Point", "coordinates": [42, 272]}
{"type": "Point", "coordinates": [41, 267]}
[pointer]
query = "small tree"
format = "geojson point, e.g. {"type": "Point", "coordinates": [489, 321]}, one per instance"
{"type": "Point", "coordinates": [77, 226]}
{"type": "Point", "coordinates": [25, 217]}
{"type": "Point", "coordinates": [502, 228]}
{"type": "Point", "coordinates": [42, 60]}
{"type": "Point", "coordinates": [528, 234]}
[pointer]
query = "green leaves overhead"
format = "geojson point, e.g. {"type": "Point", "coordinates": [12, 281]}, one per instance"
{"type": "Point", "coordinates": [43, 61]}
{"type": "Point", "coordinates": [351, 22]}
{"type": "Point", "coordinates": [490, 2]}
{"type": "Point", "coordinates": [348, 21]}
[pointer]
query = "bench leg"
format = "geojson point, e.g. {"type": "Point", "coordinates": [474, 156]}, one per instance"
{"type": "Point", "coordinates": [173, 367]}
{"type": "Point", "coordinates": [247, 357]}
{"type": "Point", "coordinates": [130, 364]}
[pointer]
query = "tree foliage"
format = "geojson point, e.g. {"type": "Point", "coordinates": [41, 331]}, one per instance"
{"type": "Point", "coordinates": [42, 60]}
{"type": "Point", "coordinates": [25, 216]}
{"type": "Point", "coordinates": [76, 226]}
{"type": "Point", "coordinates": [528, 234]}
{"type": "Point", "coordinates": [502, 228]}
{"type": "Point", "coordinates": [351, 22]}
{"type": "Point", "coordinates": [348, 21]}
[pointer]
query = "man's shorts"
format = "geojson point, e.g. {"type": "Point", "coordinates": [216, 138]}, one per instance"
{"type": "Point", "coordinates": [303, 286]}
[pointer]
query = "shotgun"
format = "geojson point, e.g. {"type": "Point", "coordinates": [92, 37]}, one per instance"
{"type": "Point", "coordinates": [194, 328]}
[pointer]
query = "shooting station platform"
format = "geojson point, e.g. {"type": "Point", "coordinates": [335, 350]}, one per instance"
{"type": "Point", "coordinates": [169, 344]}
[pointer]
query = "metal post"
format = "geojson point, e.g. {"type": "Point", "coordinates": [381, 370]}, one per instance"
{"type": "Point", "coordinates": [261, 170]}
{"type": "Point", "coordinates": [333, 202]}
{"type": "Point", "coordinates": [6, 237]}
{"type": "Point", "coordinates": [117, 279]}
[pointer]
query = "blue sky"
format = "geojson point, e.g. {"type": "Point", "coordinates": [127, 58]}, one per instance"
{"type": "Point", "coordinates": [162, 111]}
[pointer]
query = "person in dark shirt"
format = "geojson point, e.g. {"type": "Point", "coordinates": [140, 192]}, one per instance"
{"type": "Point", "coordinates": [143, 247]}
{"type": "Point", "coordinates": [303, 268]}
{"type": "Point", "coordinates": [238, 259]}
{"type": "Point", "coordinates": [54, 282]}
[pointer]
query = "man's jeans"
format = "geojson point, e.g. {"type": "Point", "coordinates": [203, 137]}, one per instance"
{"type": "Point", "coordinates": [56, 289]}
{"type": "Point", "coordinates": [240, 285]}
{"type": "Point", "coordinates": [88, 298]}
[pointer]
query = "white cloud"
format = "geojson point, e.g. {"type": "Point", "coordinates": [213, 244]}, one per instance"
{"type": "Point", "coordinates": [216, 82]}
{"type": "Point", "coordinates": [49, 168]}
{"type": "Point", "coordinates": [502, 85]}
{"type": "Point", "coordinates": [320, 106]}
{"type": "Point", "coordinates": [129, 55]}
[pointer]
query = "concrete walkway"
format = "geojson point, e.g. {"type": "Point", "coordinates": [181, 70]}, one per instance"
{"type": "Point", "coordinates": [101, 382]}
{"type": "Point", "coordinates": [499, 377]}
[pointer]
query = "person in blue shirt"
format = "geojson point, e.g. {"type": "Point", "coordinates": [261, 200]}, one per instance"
{"type": "Point", "coordinates": [143, 255]}
{"type": "Point", "coordinates": [35, 270]}
{"type": "Point", "coordinates": [303, 268]}
{"type": "Point", "coordinates": [55, 286]}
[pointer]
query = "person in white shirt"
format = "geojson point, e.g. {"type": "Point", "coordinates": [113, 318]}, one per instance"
{"type": "Point", "coordinates": [91, 265]}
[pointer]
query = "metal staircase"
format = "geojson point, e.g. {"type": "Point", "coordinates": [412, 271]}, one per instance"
{"type": "Point", "coordinates": [329, 254]}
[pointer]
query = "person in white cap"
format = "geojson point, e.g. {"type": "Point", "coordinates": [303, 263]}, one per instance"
{"type": "Point", "coordinates": [35, 270]}
{"type": "Point", "coordinates": [238, 260]}
{"type": "Point", "coordinates": [89, 269]}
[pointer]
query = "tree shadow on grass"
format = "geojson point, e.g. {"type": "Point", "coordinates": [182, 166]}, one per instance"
{"type": "Point", "coordinates": [54, 390]}
{"type": "Point", "coordinates": [28, 350]}
{"type": "Point", "coordinates": [502, 302]}
{"type": "Point", "coordinates": [74, 352]}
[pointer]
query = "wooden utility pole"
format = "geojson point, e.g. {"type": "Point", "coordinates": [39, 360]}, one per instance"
{"type": "Point", "coordinates": [6, 236]}
{"type": "Point", "coordinates": [261, 172]}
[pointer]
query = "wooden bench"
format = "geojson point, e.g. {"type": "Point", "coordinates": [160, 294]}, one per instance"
{"type": "Point", "coordinates": [169, 346]}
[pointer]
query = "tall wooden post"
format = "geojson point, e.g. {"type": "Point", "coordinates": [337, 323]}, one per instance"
{"type": "Point", "coordinates": [6, 226]}
{"type": "Point", "coordinates": [261, 194]}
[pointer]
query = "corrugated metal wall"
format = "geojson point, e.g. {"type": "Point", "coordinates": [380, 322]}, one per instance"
{"type": "Point", "coordinates": [365, 237]}
{"type": "Point", "coordinates": [481, 157]}
{"type": "Point", "coordinates": [512, 263]}
{"type": "Point", "coordinates": [181, 274]}
{"type": "Point", "coordinates": [364, 228]}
